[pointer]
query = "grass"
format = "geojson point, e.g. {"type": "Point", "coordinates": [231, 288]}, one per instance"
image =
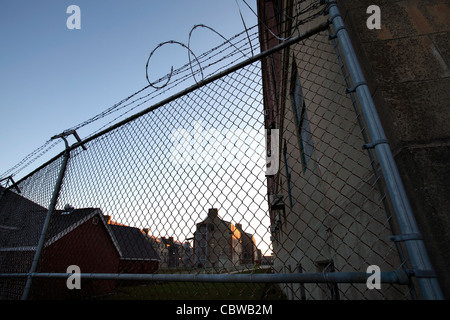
{"type": "Point", "coordinates": [198, 291]}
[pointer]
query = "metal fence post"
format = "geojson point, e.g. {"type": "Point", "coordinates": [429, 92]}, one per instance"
{"type": "Point", "coordinates": [13, 185]}
{"type": "Point", "coordinates": [421, 264]}
{"type": "Point", "coordinates": [51, 208]}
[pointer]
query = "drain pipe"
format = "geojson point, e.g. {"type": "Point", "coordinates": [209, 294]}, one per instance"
{"type": "Point", "coordinates": [421, 264]}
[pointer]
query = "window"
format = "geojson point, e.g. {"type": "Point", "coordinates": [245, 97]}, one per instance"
{"type": "Point", "coordinates": [288, 174]}
{"type": "Point", "coordinates": [330, 291]}
{"type": "Point", "coordinates": [306, 143]}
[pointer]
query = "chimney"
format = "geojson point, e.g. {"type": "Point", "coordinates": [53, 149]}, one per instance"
{"type": "Point", "coordinates": [239, 226]}
{"type": "Point", "coordinates": [108, 219]}
{"type": "Point", "coordinates": [68, 209]}
{"type": "Point", "coordinates": [146, 231]}
{"type": "Point", "coordinates": [212, 213]}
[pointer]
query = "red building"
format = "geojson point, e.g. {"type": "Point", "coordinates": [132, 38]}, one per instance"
{"type": "Point", "coordinates": [87, 243]}
{"type": "Point", "coordinates": [82, 237]}
{"type": "Point", "coordinates": [86, 238]}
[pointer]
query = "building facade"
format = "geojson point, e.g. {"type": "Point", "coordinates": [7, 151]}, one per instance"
{"type": "Point", "coordinates": [406, 64]}
{"type": "Point", "coordinates": [173, 253]}
{"type": "Point", "coordinates": [250, 254]}
{"type": "Point", "coordinates": [326, 201]}
{"type": "Point", "coordinates": [216, 242]}
{"type": "Point", "coordinates": [221, 244]}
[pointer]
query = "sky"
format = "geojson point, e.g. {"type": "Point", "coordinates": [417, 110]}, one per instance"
{"type": "Point", "coordinates": [53, 78]}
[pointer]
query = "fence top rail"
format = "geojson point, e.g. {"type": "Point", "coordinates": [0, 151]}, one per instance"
{"type": "Point", "coordinates": [285, 44]}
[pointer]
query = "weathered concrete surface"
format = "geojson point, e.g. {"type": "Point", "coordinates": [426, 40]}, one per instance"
{"type": "Point", "coordinates": [407, 65]}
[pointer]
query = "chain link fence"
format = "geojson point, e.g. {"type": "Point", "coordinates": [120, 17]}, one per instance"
{"type": "Point", "coordinates": [330, 212]}
{"type": "Point", "coordinates": [179, 202]}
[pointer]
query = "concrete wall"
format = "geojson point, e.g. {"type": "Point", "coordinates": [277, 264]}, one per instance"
{"type": "Point", "coordinates": [336, 218]}
{"type": "Point", "coordinates": [407, 64]}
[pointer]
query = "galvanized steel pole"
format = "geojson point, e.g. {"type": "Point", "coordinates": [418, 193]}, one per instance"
{"type": "Point", "coordinates": [421, 265]}
{"type": "Point", "coordinates": [397, 277]}
{"type": "Point", "coordinates": [51, 208]}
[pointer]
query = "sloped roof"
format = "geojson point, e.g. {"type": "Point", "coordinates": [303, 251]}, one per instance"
{"type": "Point", "coordinates": [26, 234]}
{"type": "Point", "coordinates": [22, 221]}
{"type": "Point", "coordinates": [63, 222]}
{"type": "Point", "coordinates": [133, 243]}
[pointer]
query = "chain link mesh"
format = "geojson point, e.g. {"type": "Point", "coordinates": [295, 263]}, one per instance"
{"type": "Point", "coordinates": [184, 189]}
{"type": "Point", "coordinates": [21, 219]}
{"type": "Point", "coordinates": [334, 217]}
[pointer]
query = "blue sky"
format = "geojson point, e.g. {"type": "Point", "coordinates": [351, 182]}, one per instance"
{"type": "Point", "coordinates": [53, 78]}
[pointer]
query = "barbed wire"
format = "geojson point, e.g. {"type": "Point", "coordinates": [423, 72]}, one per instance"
{"type": "Point", "coordinates": [241, 46]}
{"type": "Point", "coordinates": [30, 158]}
